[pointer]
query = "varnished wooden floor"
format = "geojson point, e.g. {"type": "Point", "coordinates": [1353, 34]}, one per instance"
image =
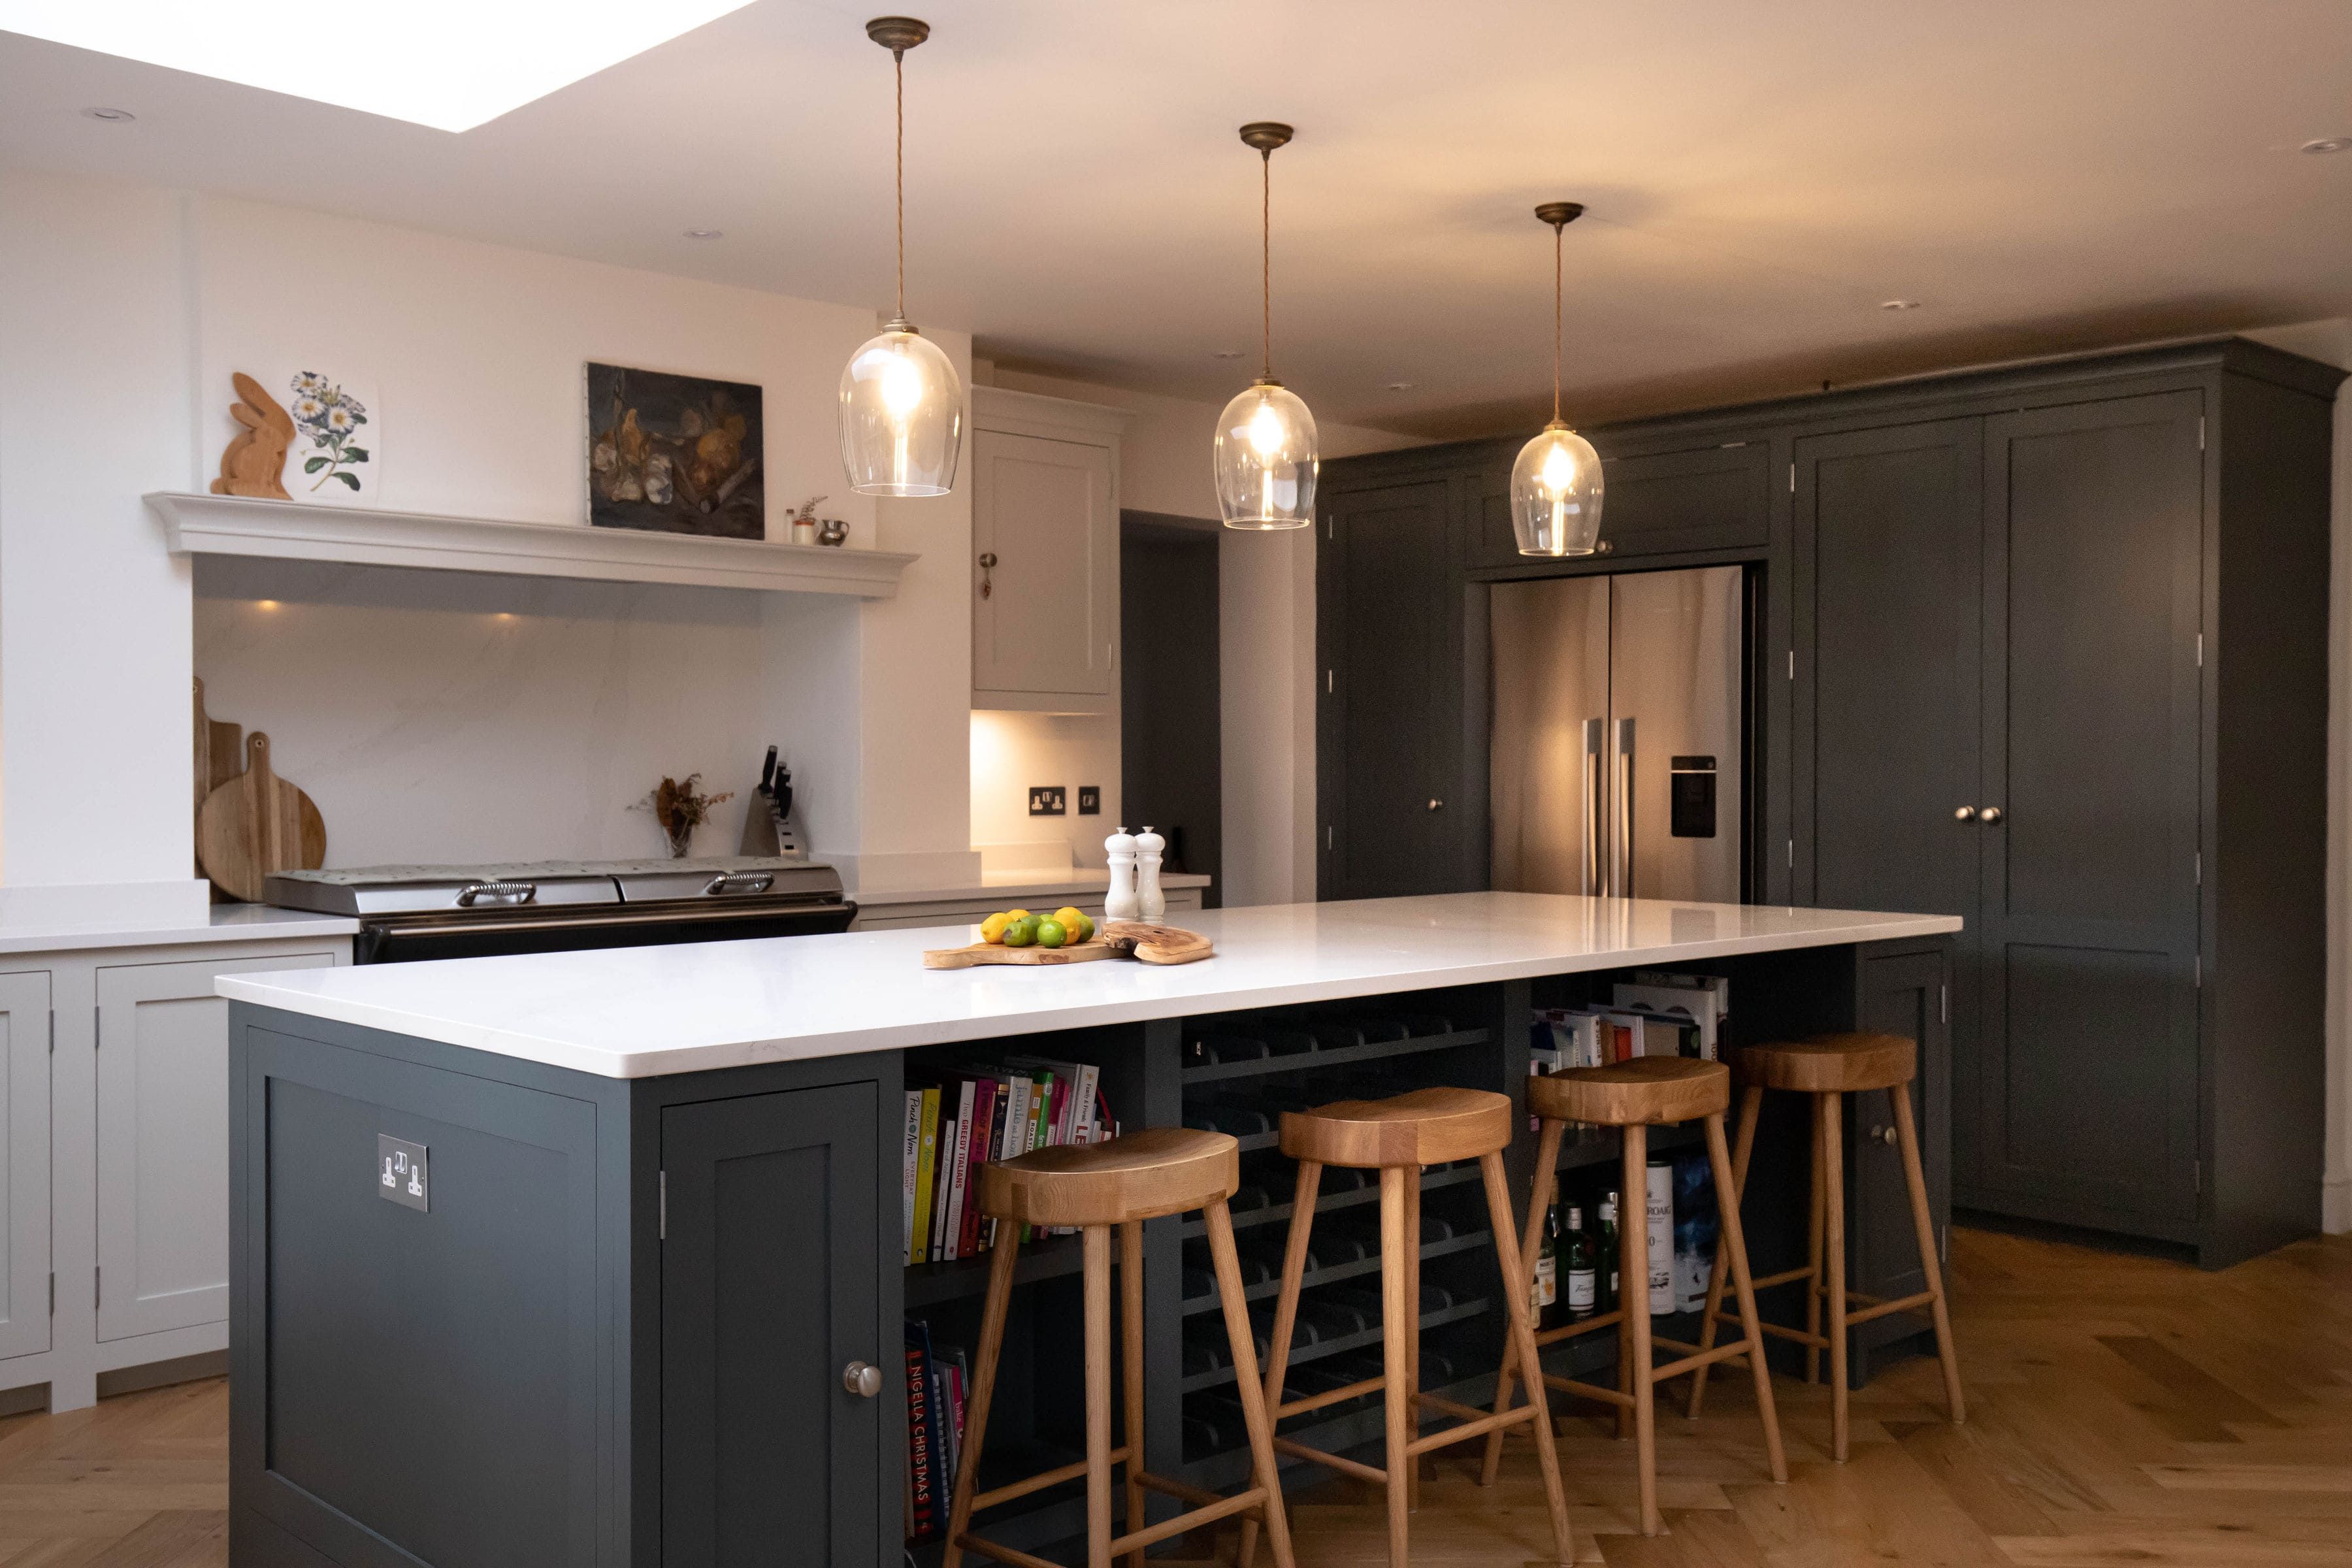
{"type": "Point", "coordinates": [2121, 1411]}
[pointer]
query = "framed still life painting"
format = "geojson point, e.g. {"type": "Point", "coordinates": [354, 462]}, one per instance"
{"type": "Point", "coordinates": [674, 454]}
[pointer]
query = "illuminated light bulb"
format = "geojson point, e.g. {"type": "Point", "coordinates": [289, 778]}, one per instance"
{"type": "Point", "coordinates": [1559, 471]}
{"type": "Point", "coordinates": [1265, 430]}
{"type": "Point", "coordinates": [902, 387]}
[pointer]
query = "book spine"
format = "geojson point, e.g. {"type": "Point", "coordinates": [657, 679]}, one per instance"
{"type": "Point", "coordinates": [959, 1162]}
{"type": "Point", "coordinates": [922, 1519]}
{"type": "Point", "coordinates": [1089, 1087]}
{"type": "Point", "coordinates": [926, 1164]}
{"type": "Point", "coordinates": [942, 1184]}
{"type": "Point", "coordinates": [983, 1121]}
{"type": "Point", "coordinates": [909, 1153]}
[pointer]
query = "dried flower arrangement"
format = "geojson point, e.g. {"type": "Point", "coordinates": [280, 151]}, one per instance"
{"type": "Point", "coordinates": [680, 808]}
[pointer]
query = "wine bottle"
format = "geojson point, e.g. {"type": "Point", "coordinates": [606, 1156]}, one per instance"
{"type": "Point", "coordinates": [1546, 1282]}
{"type": "Point", "coordinates": [1583, 1276]}
{"type": "Point", "coordinates": [1607, 1262]}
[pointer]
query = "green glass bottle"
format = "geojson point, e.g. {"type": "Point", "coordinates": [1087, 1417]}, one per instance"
{"type": "Point", "coordinates": [1545, 1294]}
{"type": "Point", "coordinates": [1606, 1264]}
{"type": "Point", "coordinates": [1581, 1293]}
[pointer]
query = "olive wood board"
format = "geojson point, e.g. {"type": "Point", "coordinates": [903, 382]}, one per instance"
{"type": "Point", "coordinates": [1113, 939]}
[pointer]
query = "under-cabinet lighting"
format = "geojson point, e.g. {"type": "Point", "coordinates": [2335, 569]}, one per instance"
{"type": "Point", "coordinates": [449, 64]}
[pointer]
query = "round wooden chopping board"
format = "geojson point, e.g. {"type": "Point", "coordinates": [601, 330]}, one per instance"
{"type": "Point", "coordinates": [256, 823]}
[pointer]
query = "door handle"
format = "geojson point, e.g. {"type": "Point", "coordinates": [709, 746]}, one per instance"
{"type": "Point", "coordinates": [1966, 813]}
{"type": "Point", "coordinates": [1436, 804]}
{"type": "Point", "coordinates": [1595, 738]}
{"type": "Point", "coordinates": [1621, 789]}
{"type": "Point", "coordinates": [862, 1379]}
{"type": "Point", "coordinates": [1990, 815]}
{"type": "Point", "coordinates": [987, 565]}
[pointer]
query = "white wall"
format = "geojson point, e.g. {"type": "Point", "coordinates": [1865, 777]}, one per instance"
{"type": "Point", "coordinates": [1265, 635]}
{"type": "Point", "coordinates": [422, 724]}
{"type": "Point", "coordinates": [1010, 751]}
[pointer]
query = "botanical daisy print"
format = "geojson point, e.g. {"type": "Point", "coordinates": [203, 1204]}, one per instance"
{"type": "Point", "coordinates": [331, 435]}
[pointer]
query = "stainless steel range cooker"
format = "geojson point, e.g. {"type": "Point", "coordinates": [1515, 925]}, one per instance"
{"type": "Point", "coordinates": [473, 911]}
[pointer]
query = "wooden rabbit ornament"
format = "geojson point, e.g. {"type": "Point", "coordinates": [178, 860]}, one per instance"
{"type": "Point", "coordinates": [255, 456]}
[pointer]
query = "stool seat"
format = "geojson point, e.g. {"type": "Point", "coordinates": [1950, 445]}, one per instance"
{"type": "Point", "coordinates": [1142, 1175]}
{"type": "Point", "coordinates": [1426, 1126]}
{"type": "Point", "coordinates": [1646, 1091]}
{"type": "Point", "coordinates": [1830, 1064]}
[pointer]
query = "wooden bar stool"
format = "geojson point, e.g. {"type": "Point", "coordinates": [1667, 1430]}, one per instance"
{"type": "Point", "coordinates": [1829, 1068]}
{"type": "Point", "coordinates": [1637, 1094]}
{"type": "Point", "coordinates": [1398, 1137]}
{"type": "Point", "coordinates": [1146, 1175]}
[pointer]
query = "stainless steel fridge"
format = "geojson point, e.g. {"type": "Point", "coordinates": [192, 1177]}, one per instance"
{"type": "Point", "coordinates": [1618, 724]}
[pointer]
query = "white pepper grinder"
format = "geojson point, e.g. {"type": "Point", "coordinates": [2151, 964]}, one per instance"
{"type": "Point", "coordinates": [1121, 903]}
{"type": "Point", "coordinates": [1148, 894]}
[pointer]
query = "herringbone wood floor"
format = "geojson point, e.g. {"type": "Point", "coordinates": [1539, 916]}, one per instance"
{"type": "Point", "coordinates": [2120, 1411]}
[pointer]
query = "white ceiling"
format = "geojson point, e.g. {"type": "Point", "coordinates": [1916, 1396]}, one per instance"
{"type": "Point", "coordinates": [2039, 175]}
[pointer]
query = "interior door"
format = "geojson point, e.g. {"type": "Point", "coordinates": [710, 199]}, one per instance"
{"type": "Point", "coordinates": [1043, 509]}
{"type": "Point", "coordinates": [162, 1143]}
{"type": "Point", "coordinates": [1548, 763]}
{"type": "Point", "coordinates": [1389, 750]}
{"type": "Point", "coordinates": [2087, 1092]}
{"type": "Point", "coordinates": [769, 1292]}
{"type": "Point", "coordinates": [25, 1169]}
{"type": "Point", "coordinates": [1675, 666]}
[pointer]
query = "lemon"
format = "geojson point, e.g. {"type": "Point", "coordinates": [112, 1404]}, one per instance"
{"type": "Point", "coordinates": [1020, 933]}
{"type": "Point", "coordinates": [1082, 929]}
{"type": "Point", "coordinates": [1071, 917]}
{"type": "Point", "coordinates": [992, 928]}
{"type": "Point", "coordinates": [1016, 914]}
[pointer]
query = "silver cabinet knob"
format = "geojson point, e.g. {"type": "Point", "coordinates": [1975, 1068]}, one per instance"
{"type": "Point", "coordinates": [1989, 815]}
{"type": "Point", "coordinates": [1436, 805]}
{"type": "Point", "coordinates": [1966, 813]}
{"type": "Point", "coordinates": [1883, 1135]}
{"type": "Point", "coordinates": [861, 1379]}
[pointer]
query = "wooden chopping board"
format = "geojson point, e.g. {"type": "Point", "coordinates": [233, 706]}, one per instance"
{"type": "Point", "coordinates": [256, 823]}
{"type": "Point", "coordinates": [1115, 939]}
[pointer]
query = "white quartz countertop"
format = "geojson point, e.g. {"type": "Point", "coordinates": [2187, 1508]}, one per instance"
{"type": "Point", "coordinates": [646, 1011]}
{"type": "Point", "coordinates": [1080, 882]}
{"type": "Point", "coordinates": [227, 923]}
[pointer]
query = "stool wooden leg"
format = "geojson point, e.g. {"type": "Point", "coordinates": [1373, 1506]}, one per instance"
{"type": "Point", "coordinates": [1634, 1231]}
{"type": "Point", "coordinates": [1539, 1205]}
{"type": "Point", "coordinates": [1831, 1109]}
{"type": "Point", "coordinates": [1924, 1223]}
{"type": "Point", "coordinates": [1523, 1336]}
{"type": "Point", "coordinates": [1131, 1352]}
{"type": "Point", "coordinates": [1735, 1243]}
{"type": "Point", "coordinates": [1257, 1416]}
{"type": "Point", "coordinates": [1395, 1325]}
{"type": "Point", "coordinates": [1412, 1326]}
{"type": "Point", "coordinates": [1286, 1315]}
{"type": "Point", "coordinates": [1815, 1196]}
{"type": "Point", "coordinates": [1751, 1105]}
{"type": "Point", "coordinates": [984, 1389]}
{"type": "Point", "coordinates": [1098, 1339]}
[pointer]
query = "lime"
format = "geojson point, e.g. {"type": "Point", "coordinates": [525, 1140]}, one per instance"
{"type": "Point", "coordinates": [1051, 933]}
{"type": "Point", "coordinates": [1020, 933]}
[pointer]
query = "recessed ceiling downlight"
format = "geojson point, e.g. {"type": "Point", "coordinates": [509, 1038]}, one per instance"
{"type": "Point", "coordinates": [111, 116]}
{"type": "Point", "coordinates": [706, 234]}
{"type": "Point", "coordinates": [2329, 144]}
{"type": "Point", "coordinates": [449, 64]}
{"type": "Point", "coordinates": [1898, 304]}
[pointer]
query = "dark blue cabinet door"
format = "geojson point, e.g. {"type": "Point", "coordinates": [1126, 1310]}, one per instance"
{"type": "Point", "coordinates": [769, 1271]}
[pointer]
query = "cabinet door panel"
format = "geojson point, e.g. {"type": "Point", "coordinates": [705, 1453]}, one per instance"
{"type": "Point", "coordinates": [1708, 498]}
{"type": "Point", "coordinates": [24, 1203]}
{"type": "Point", "coordinates": [162, 1143]}
{"type": "Point", "coordinates": [1388, 632]}
{"type": "Point", "coordinates": [769, 1290]}
{"type": "Point", "coordinates": [2093, 525]}
{"type": "Point", "coordinates": [1044, 509]}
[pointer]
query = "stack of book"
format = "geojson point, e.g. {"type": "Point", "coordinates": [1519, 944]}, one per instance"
{"type": "Point", "coordinates": [975, 1114]}
{"type": "Point", "coordinates": [1653, 1014]}
{"type": "Point", "coordinates": [935, 1377]}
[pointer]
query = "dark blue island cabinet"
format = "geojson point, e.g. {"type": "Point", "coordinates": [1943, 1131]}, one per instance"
{"type": "Point", "coordinates": [491, 1313]}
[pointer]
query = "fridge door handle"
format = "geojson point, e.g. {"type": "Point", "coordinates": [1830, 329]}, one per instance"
{"type": "Point", "coordinates": [1621, 791]}
{"type": "Point", "coordinates": [1595, 739]}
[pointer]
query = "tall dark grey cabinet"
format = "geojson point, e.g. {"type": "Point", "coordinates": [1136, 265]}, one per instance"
{"type": "Point", "coordinates": [2044, 647]}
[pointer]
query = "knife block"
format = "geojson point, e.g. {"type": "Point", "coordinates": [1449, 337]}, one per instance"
{"type": "Point", "coordinates": [770, 832]}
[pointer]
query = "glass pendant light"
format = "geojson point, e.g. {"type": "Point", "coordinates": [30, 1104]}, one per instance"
{"type": "Point", "coordinates": [1555, 483]}
{"type": "Point", "coordinates": [1266, 453]}
{"type": "Point", "coordinates": [901, 400]}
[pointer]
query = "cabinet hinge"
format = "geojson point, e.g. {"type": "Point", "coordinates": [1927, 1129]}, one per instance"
{"type": "Point", "coordinates": [2200, 971]}
{"type": "Point", "coordinates": [97, 1025]}
{"type": "Point", "coordinates": [1944, 1004]}
{"type": "Point", "coordinates": [53, 1051]}
{"type": "Point", "coordinates": [1330, 527]}
{"type": "Point", "coordinates": [2200, 860]}
{"type": "Point", "coordinates": [2197, 1177]}
{"type": "Point", "coordinates": [661, 1205]}
{"type": "Point", "coordinates": [1792, 854]}
{"type": "Point", "coordinates": [53, 1292]}
{"type": "Point", "coordinates": [1792, 664]}
{"type": "Point", "coordinates": [2201, 650]}
{"type": "Point", "coordinates": [97, 1289]}
{"type": "Point", "coordinates": [2200, 431]}
{"type": "Point", "coordinates": [1792, 479]}
{"type": "Point", "coordinates": [1727, 446]}
{"type": "Point", "coordinates": [1330, 677]}
{"type": "Point", "coordinates": [1327, 837]}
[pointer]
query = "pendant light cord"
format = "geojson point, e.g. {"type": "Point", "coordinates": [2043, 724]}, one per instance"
{"type": "Point", "coordinates": [898, 72]}
{"type": "Point", "coordinates": [1265, 260]}
{"type": "Point", "coordinates": [1556, 231]}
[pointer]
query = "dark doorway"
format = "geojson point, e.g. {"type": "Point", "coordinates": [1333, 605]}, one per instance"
{"type": "Point", "coordinates": [1171, 774]}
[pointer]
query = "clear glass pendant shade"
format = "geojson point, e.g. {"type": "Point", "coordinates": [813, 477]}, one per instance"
{"type": "Point", "coordinates": [901, 417]}
{"type": "Point", "coordinates": [1266, 459]}
{"type": "Point", "coordinates": [1556, 494]}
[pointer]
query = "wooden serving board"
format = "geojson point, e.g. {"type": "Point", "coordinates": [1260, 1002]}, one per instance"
{"type": "Point", "coordinates": [1115, 939]}
{"type": "Point", "coordinates": [256, 823]}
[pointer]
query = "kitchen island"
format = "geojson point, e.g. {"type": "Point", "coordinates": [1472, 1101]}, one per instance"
{"type": "Point", "coordinates": [649, 1211]}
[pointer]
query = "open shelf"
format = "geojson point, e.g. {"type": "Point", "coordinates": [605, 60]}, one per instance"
{"type": "Point", "coordinates": [1369, 1193]}
{"type": "Point", "coordinates": [1301, 1354]}
{"type": "Point", "coordinates": [1339, 1056]}
{"type": "Point", "coordinates": [928, 1284]}
{"type": "Point", "coordinates": [1592, 1146]}
{"type": "Point", "coordinates": [1338, 1271]}
{"type": "Point", "coordinates": [200, 524]}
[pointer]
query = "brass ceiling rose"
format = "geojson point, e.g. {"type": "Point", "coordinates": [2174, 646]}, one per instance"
{"type": "Point", "coordinates": [1266, 135]}
{"type": "Point", "coordinates": [1558, 213]}
{"type": "Point", "coordinates": [898, 34]}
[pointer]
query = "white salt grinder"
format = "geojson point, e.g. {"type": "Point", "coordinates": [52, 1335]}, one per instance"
{"type": "Point", "coordinates": [1121, 903]}
{"type": "Point", "coordinates": [1149, 894]}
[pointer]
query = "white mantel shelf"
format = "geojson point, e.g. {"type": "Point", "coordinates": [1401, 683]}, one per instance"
{"type": "Point", "coordinates": [197, 524]}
